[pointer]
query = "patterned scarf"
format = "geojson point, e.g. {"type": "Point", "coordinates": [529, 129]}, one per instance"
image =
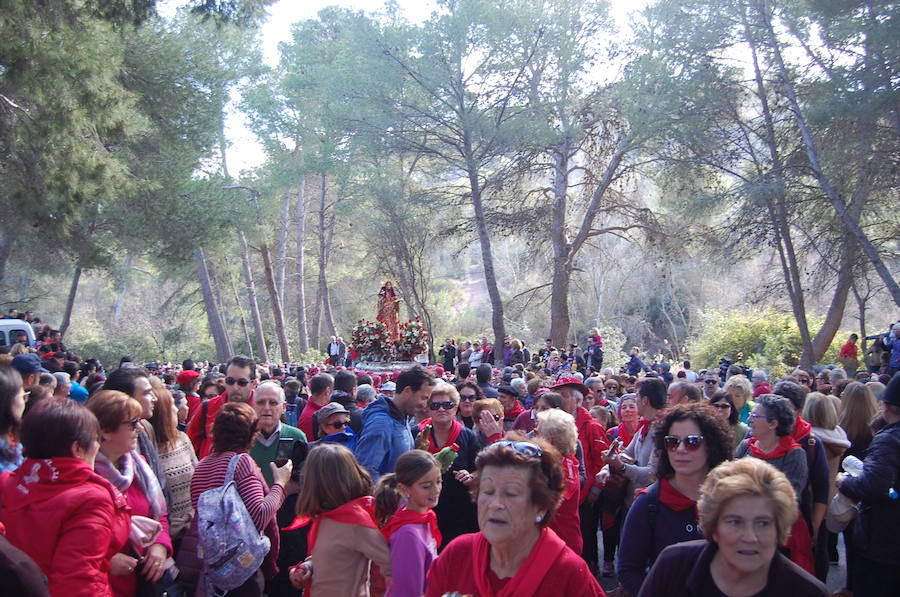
{"type": "Point", "coordinates": [131, 467]}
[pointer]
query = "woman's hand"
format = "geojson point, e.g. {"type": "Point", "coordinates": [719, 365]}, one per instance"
{"type": "Point", "coordinates": [463, 476]}
{"type": "Point", "coordinates": [301, 574]}
{"type": "Point", "coordinates": [120, 564]}
{"type": "Point", "coordinates": [282, 475]}
{"type": "Point", "coordinates": [488, 425]}
{"type": "Point", "coordinates": [603, 476]}
{"type": "Point", "coordinates": [154, 562]}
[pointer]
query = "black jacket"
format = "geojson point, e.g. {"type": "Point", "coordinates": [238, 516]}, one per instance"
{"type": "Point", "coordinates": [877, 528]}
{"type": "Point", "coordinates": [682, 570]}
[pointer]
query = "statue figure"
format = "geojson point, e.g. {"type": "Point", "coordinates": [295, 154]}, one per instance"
{"type": "Point", "coordinates": [389, 310]}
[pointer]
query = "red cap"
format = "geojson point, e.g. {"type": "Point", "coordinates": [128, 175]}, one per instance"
{"type": "Point", "coordinates": [186, 377]}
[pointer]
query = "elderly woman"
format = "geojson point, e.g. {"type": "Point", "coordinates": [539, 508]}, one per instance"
{"type": "Point", "coordinates": [772, 440]}
{"type": "Point", "coordinates": [741, 391]}
{"type": "Point", "coordinates": [120, 463]}
{"type": "Point", "coordinates": [469, 392]}
{"type": "Point", "coordinates": [234, 431]}
{"type": "Point", "coordinates": [724, 406]}
{"type": "Point", "coordinates": [455, 511]}
{"type": "Point", "coordinates": [558, 427]}
{"type": "Point", "coordinates": [518, 487]}
{"type": "Point", "coordinates": [689, 441]}
{"type": "Point", "coordinates": [71, 521]}
{"type": "Point", "coordinates": [488, 415]}
{"type": "Point", "coordinates": [12, 405]}
{"type": "Point", "coordinates": [747, 508]}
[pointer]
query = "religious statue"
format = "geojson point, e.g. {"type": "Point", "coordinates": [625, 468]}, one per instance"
{"type": "Point", "coordinates": [389, 310]}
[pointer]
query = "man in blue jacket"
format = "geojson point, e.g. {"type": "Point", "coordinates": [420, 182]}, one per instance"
{"type": "Point", "coordinates": [876, 570]}
{"type": "Point", "coordinates": [385, 433]}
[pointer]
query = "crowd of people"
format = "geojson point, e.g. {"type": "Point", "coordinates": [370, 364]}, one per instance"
{"type": "Point", "coordinates": [511, 474]}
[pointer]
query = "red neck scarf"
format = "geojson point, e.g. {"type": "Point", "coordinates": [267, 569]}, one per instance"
{"type": "Point", "coordinates": [405, 516]}
{"type": "Point", "coordinates": [802, 428]}
{"type": "Point", "coordinates": [530, 574]}
{"type": "Point", "coordinates": [643, 427]}
{"type": "Point", "coordinates": [455, 430]}
{"type": "Point", "coordinates": [625, 434]}
{"type": "Point", "coordinates": [674, 499]}
{"type": "Point", "coordinates": [570, 475]}
{"type": "Point", "coordinates": [360, 511]}
{"type": "Point", "coordinates": [514, 412]}
{"type": "Point", "coordinates": [785, 445]}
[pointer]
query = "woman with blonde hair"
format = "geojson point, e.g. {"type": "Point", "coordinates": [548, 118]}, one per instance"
{"type": "Point", "coordinates": [747, 508]}
{"type": "Point", "coordinates": [741, 391]}
{"type": "Point", "coordinates": [558, 427]}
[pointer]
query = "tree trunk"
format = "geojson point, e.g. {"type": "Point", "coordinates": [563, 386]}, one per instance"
{"type": "Point", "coordinates": [237, 301]}
{"type": "Point", "coordinates": [220, 302]}
{"type": "Point", "coordinates": [275, 299]}
{"type": "Point", "coordinates": [302, 326]}
{"type": "Point", "coordinates": [850, 223]}
{"type": "Point", "coordinates": [861, 306]}
{"type": "Point", "coordinates": [121, 287]}
{"type": "Point", "coordinates": [251, 298]}
{"type": "Point", "coordinates": [559, 289]}
{"type": "Point", "coordinates": [23, 287]}
{"type": "Point", "coordinates": [70, 302]}
{"type": "Point", "coordinates": [213, 315]}
{"type": "Point", "coordinates": [282, 246]}
{"type": "Point", "coordinates": [835, 313]}
{"type": "Point", "coordinates": [324, 246]}
{"type": "Point", "coordinates": [6, 247]}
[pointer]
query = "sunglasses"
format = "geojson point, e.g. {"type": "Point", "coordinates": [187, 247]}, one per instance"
{"type": "Point", "coordinates": [710, 381]}
{"type": "Point", "coordinates": [441, 405]}
{"type": "Point", "coordinates": [526, 449]}
{"type": "Point", "coordinates": [691, 442]}
{"type": "Point", "coordinates": [133, 422]}
{"type": "Point", "coordinates": [337, 424]}
{"type": "Point", "coordinates": [230, 381]}
{"type": "Point", "coordinates": [468, 397]}
{"type": "Point", "coordinates": [721, 405]}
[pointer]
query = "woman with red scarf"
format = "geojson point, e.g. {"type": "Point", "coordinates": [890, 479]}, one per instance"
{"type": "Point", "coordinates": [344, 535]}
{"type": "Point", "coordinates": [517, 487]}
{"type": "Point", "coordinates": [689, 442]}
{"type": "Point", "coordinates": [455, 510]}
{"type": "Point", "coordinates": [772, 440]}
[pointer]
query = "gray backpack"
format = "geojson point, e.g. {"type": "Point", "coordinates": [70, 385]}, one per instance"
{"type": "Point", "coordinates": [230, 547]}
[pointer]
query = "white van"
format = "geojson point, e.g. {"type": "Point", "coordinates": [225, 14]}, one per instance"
{"type": "Point", "coordinates": [9, 329]}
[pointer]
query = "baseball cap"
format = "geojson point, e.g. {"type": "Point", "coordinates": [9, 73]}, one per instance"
{"type": "Point", "coordinates": [388, 386]}
{"type": "Point", "coordinates": [27, 364]}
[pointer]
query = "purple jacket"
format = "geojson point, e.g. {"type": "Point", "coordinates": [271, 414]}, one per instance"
{"type": "Point", "coordinates": [412, 551]}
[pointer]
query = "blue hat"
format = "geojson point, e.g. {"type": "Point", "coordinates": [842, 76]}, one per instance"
{"type": "Point", "coordinates": [26, 364]}
{"type": "Point", "coordinates": [891, 394]}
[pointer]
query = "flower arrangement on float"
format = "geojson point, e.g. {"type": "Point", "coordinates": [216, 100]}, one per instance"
{"type": "Point", "coordinates": [370, 339]}
{"type": "Point", "coordinates": [413, 340]}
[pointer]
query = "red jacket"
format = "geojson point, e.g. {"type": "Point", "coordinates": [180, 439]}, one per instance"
{"type": "Point", "coordinates": [593, 442]}
{"type": "Point", "coordinates": [68, 519]}
{"type": "Point", "coordinates": [204, 446]}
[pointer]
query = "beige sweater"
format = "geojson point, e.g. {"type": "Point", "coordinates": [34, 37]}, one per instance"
{"type": "Point", "coordinates": [341, 557]}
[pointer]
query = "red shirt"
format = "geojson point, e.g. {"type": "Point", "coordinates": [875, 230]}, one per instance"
{"type": "Point", "coordinates": [593, 441]}
{"type": "Point", "coordinates": [204, 446]}
{"type": "Point", "coordinates": [305, 424]}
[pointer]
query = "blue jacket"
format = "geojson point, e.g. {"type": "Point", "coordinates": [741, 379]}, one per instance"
{"type": "Point", "coordinates": [384, 437]}
{"type": "Point", "coordinates": [635, 365]}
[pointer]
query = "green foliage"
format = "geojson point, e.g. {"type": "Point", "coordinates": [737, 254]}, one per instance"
{"type": "Point", "coordinates": [310, 357]}
{"type": "Point", "coordinates": [765, 339]}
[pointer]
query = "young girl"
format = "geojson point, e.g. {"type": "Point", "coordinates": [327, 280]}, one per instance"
{"type": "Point", "coordinates": [344, 535]}
{"type": "Point", "coordinates": [412, 529]}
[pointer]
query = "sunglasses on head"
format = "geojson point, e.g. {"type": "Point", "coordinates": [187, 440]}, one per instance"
{"type": "Point", "coordinates": [691, 442]}
{"type": "Point", "coordinates": [526, 449]}
{"type": "Point", "coordinates": [133, 422]}
{"type": "Point", "coordinates": [448, 405]}
{"type": "Point", "coordinates": [230, 381]}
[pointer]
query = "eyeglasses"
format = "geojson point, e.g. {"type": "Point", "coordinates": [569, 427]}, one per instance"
{"type": "Point", "coordinates": [710, 381]}
{"type": "Point", "coordinates": [337, 424]}
{"type": "Point", "coordinates": [526, 449]}
{"type": "Point", "coordinates": [468, 397]}
{"type": "Point", "coordinates": [721, 405]}
{"type": "Point", "coordinates": [442, 405]}
{"type": "Point", "coordinates": [691, 442]}
{"type": "Point", "coordinates": [230, 381]}
{"type": "Point", "coordinates": [756, 416]}
{"type": "Point", "coordinates": [133, 422]}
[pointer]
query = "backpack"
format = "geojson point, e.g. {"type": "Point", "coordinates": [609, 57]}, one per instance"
{"type": "Point", "coordinates": [230, 547]}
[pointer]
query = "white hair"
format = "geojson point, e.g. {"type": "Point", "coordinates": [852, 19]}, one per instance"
{"type": "Point", "coordinates": [760, 375]}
